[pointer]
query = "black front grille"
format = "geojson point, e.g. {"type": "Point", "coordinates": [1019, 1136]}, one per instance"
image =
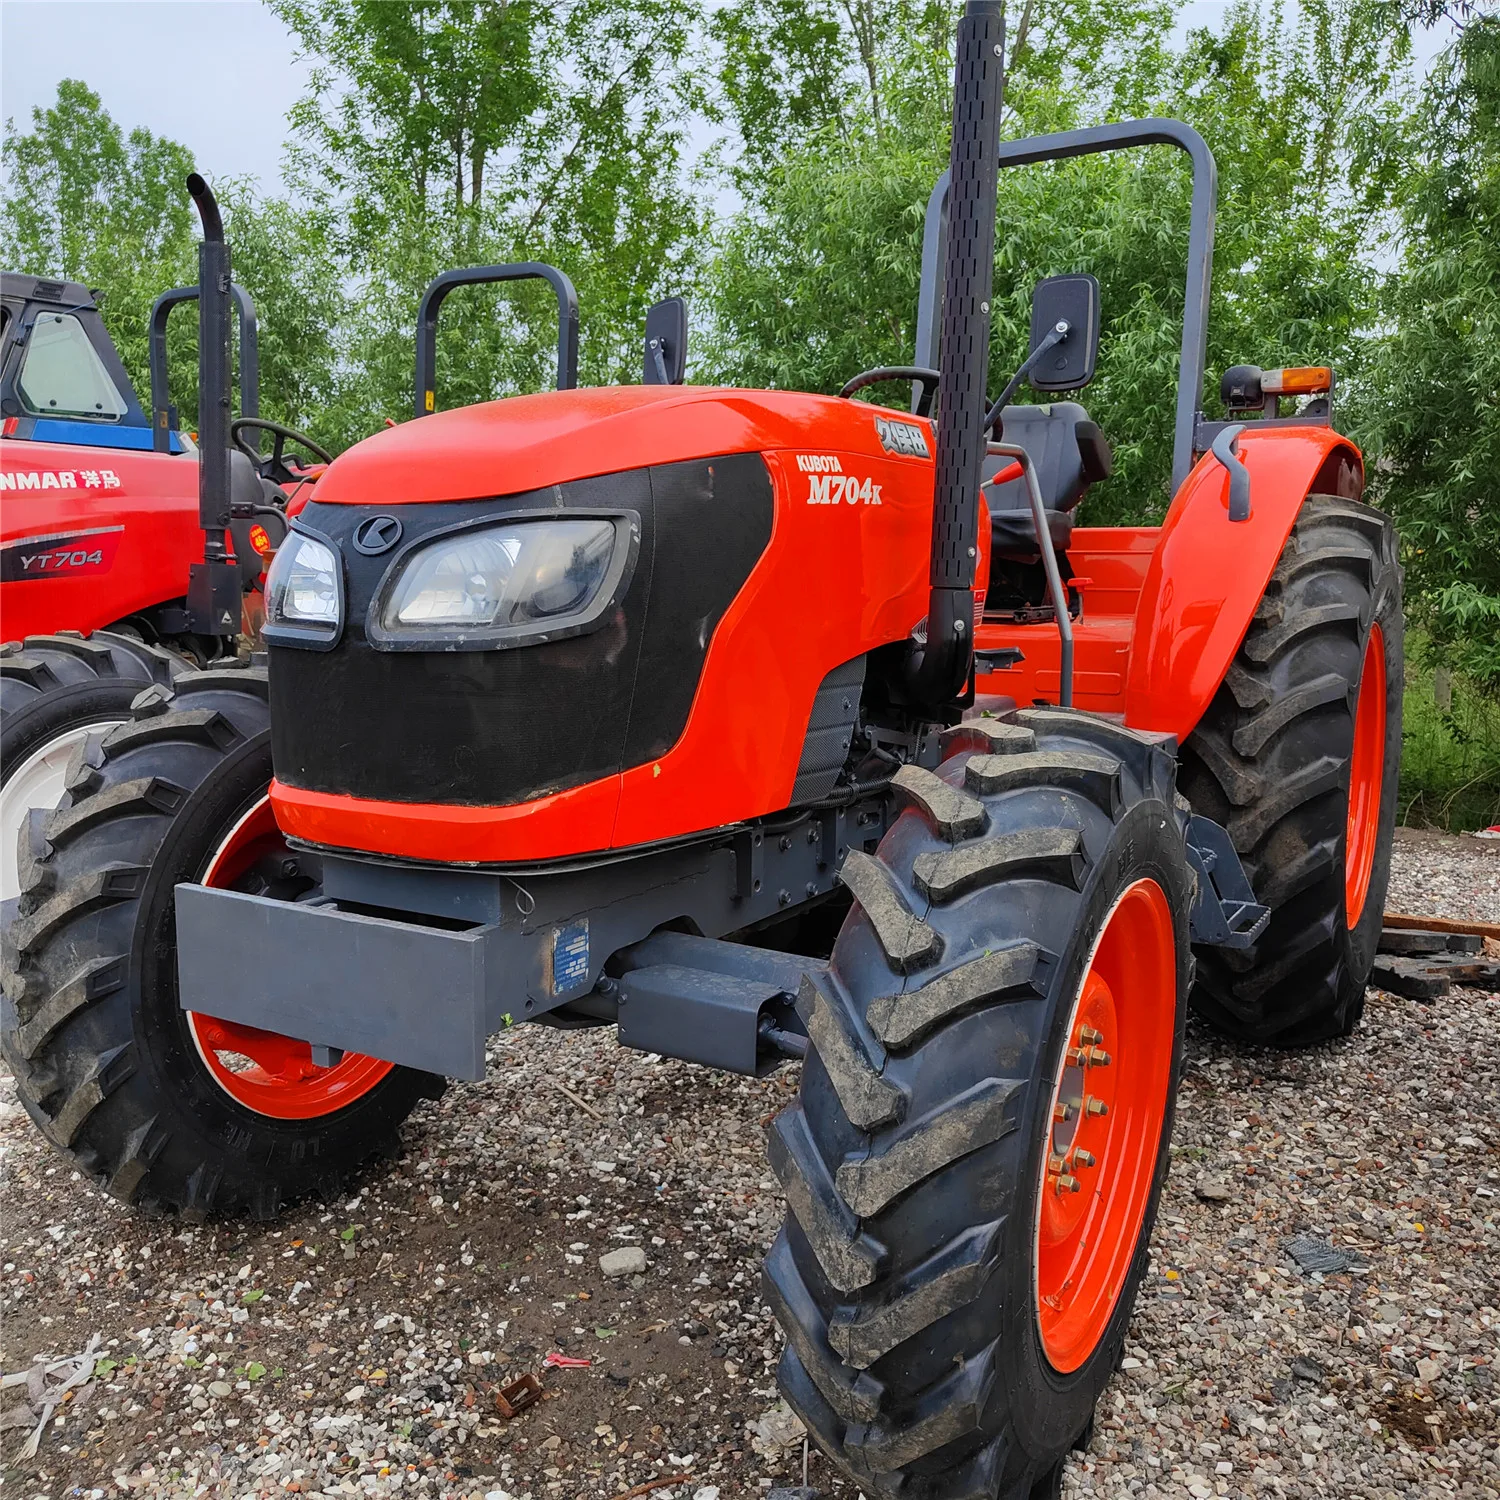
{"type": "Point", "coordinates": [486, 728]}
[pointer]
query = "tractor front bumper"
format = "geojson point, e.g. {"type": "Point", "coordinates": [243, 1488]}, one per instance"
{"type": "Point", "coordinates": [424, 995]}
{"type": "Point", "coordinates": [420, 965]}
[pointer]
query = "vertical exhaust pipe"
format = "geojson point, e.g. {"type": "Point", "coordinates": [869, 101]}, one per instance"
{"type": "Point", "coordinates": [213, 599]}
{"type": "Point", "coordinates": [937, 671]}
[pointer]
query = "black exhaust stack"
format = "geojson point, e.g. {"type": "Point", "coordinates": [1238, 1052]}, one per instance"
{"type": "Point", "coordinates": [213, 597]}
{"type": "Point", "coordinates": [937, 672]}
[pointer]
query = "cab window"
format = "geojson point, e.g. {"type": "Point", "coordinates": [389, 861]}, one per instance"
{"type": "Point", "coordinates": [62, 376]}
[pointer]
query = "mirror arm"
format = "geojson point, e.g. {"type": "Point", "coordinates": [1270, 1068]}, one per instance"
{"type": "Point", "coordinates": [659, 361]}
{"type": "Point", "coordinates": [1055, 335]}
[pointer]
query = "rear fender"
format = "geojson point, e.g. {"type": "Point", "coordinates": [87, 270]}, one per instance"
{"type": "Point", "coordinates": [1208, 573]}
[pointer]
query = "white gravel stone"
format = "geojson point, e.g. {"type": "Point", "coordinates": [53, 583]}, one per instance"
{"type": "Point", "coordinates": [629, 1261]}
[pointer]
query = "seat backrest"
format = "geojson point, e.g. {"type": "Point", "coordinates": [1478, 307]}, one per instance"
{"type": "Point", "coordinates": [246, 487]}
{"type": "Point", "coordinates": [1066, 448]}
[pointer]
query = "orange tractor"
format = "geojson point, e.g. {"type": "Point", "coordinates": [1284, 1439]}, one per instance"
{"type": "Point", "coordinates": [759, 724]}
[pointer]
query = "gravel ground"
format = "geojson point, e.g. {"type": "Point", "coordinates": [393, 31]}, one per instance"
{"type": "Point", "coordinates": [355, 1348]}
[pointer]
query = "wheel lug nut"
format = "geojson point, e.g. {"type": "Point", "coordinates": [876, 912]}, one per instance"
{"type": "Point", "coordinates": [1068, 1184]}
{"type": "Point", "coordinates": [1095, 1107]}
{"type": "Point", "coordinates": [1055, 1163]}
{"type": "Point", "coordinates": [1062, 1110]}
{"type": "Point", "coordinates": [1088, 1036]}
{"type": "Point", "coordinates": [1084, 1159]}
{"type": "Point", "coordinates": [1074, 1057]}
{"type": "Point", "coordinates": [1098, 1057]}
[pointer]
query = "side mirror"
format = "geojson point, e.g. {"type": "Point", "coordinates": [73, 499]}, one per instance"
{"type": "Point", "coordinates": [1069, 364]}
{"type": "Point", "coordinates": [666, 343]}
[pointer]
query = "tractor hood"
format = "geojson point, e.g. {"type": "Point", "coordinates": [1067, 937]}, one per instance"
{"type": "Point", "coordinates": [782, 535]}
{"type": "Point", "coordinates": [527, 442]}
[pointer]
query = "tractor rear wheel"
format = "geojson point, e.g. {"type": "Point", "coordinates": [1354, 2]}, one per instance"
{"type": "Point", "coordinates": [172, 1111]}
{"type": "Point", "coordinates": [54, 691]}
{"type": "Point", "coordinates": [1298, 757]}
{"type": "Point", "coordinates": [973, 1165]}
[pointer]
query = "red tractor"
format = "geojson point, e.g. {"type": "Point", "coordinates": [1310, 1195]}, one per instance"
{"type": "Point", "coordinates": [101, 529]}
{"type": "Point", "coordinates": [744, 721]}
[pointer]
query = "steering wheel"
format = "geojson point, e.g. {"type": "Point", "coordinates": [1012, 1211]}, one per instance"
{"type": "Point", "coordinates": [275, 467]}
{"type": "Point", "coordinates": [928, 379]}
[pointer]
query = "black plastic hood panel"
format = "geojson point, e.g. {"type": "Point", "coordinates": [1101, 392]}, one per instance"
{"type": "Point", "coordinates": [487, 728]}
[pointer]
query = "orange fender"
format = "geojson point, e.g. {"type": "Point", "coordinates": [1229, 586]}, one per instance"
{"type": "Point", "coordinates": [1208, 573]}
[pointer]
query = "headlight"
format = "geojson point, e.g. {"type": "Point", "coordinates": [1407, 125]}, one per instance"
{"type": "Point", "coordinates": [305, 592]}
{"type": "Point", "coordinates": [512, 583]}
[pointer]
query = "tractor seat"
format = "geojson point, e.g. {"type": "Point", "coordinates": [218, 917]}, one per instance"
{"type": "Point", "coordinates": [1069, 453]}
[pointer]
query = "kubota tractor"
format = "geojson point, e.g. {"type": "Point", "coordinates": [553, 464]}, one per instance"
{"type": "Point", "coordinates": [604, 706]}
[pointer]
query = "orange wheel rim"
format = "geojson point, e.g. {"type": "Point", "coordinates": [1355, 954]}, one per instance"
{"type": "Point", "coordinates": [1366, 778]}
{"type": "Point", "coordinates": [266, 1072]}
{"type": "Point", "coordinates": [1105, 1124]}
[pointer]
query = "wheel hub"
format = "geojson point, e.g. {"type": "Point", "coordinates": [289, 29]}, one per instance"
{"type": "Point", "coordinates": [1104, 1126]}
{"type": "Point", "coordinates": [1080, 1111]}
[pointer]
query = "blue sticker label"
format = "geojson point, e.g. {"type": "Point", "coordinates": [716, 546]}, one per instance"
{"type": "Point", "coordinates": [570, 956]}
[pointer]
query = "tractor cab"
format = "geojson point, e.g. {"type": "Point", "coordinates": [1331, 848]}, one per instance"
{"type": "Point", "coordinates": [61, 378]}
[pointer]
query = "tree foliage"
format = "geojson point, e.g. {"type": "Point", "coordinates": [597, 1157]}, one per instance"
{"type": "Point", "coordinates": [817, 277]}
{"type": "Point", "coordinates": [1432, 412]}
{"type": "Point", "coordinates": [462, 132]}
{"type": "Point", "coordinates": [86, 201]}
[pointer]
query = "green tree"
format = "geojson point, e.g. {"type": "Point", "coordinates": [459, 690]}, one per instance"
{"type": "Point", "coordinates": [1432, 409]}
{"type": "Point", "coordinates": [817, 277]}
{"type": "Point", "coordinates": [85, 201]}
{"type": "Point", "coordinates": [460, 132]}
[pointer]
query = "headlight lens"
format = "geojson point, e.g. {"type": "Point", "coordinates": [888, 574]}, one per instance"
{"type": "Point", "coordinates": [504, 578]}
{"type": "Point", "coordinates": [304, 590]}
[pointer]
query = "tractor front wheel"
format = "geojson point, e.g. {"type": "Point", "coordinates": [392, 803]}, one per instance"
{"type": "Point", "coordinates": [973, 1165]}
{"type": "Point", "coordinates": [55, 690]}
{"type": "Point", "coordinates": [170, 1110]}
{"type": "Point", "coordinates": [1298, 757]}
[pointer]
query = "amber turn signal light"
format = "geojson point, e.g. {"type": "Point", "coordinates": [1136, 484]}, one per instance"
{"type": "Point", "coordinates": [1304, 380]}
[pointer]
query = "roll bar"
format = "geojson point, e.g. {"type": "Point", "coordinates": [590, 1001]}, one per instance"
{"type": "Point", "coordinates": [162, 418]}
{"type": "Point", "coordinates": [529, 270]}
{"type": "Point", "coordinates": [1067, 143]}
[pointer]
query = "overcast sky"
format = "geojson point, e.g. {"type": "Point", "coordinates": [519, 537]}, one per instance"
{"type": "Point", "coordinates": [217, 75]}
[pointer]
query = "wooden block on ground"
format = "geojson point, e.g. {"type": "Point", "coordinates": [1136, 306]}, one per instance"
{"type": "Point", "coordinates": [1471, 969]}
{"type": "Point", "coordinates": [1428, 976]}
{"type": "Point", "coordinates": [1410, 977]}
{"type": "Point", "coordinates": [1442, 924]}
{"type": "Point", "coordinates": [1403, 940]}
{"type": "Point", "coordinates": [1465, 942]}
